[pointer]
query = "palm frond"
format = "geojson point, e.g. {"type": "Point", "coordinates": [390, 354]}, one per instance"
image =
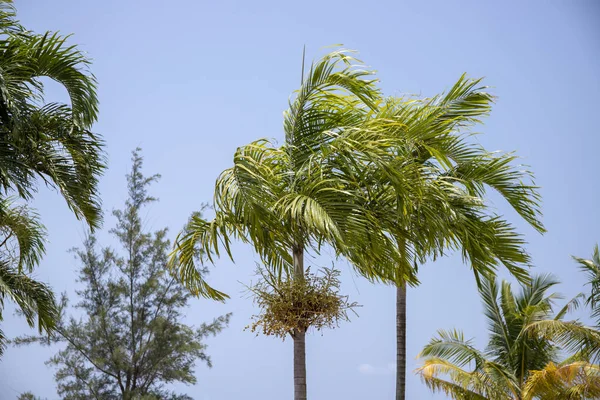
{"type": "Point", "coordinates": [49, 55]}
{"type": "Point", "coordinates": [449, 354]}
{"type": "Point", "coordinates": [21, 224]}
{"type": "Point", "coordinates": [570, 306]}
{"type": "Point", "coordinates": [52, 142]}
{"type": "Point", "coordinates": [591, 267]}
{"type": "Point", "coordinates": [570, 335]}
{"type": "Point", "coordinates": [452, 346]}
{"type": "Point", "coordinates": [577, 380]}
{"type": "Point", "coordinates": [333, 94]}
{"type": "Point", "coordinates": [429, 375]}
{"type": "Point", "coordinates": [183, 258]}
{"type": "Point", "coordinates": [35, 299]}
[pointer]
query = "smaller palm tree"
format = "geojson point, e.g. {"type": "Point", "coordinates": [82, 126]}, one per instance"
{"type": "Point", "coordinates": [591, 268]}
{"type": "Point", "coordinates": [523, 358]}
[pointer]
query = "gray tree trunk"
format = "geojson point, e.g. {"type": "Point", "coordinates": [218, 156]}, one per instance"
{"type": "Point", "coordinates": [299, 336]}
{"type": "Point", "coordinates": [299, 365]}
{"type": "Point", "coordinates": [401, 342]}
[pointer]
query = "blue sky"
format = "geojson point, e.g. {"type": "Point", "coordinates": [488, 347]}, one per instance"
{"type": "Point", "coordinates": [189, 81]}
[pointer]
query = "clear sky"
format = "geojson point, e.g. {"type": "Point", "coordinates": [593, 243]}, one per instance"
{"type": "Point", "coordinates": [189, 81]}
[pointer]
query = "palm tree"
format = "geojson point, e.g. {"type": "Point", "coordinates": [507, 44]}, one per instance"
{"type": "Point", "coordinates": [592, 269]}
{"type": "Point", "coordinates": [51, 143]}
{"type": "Point", "coordinates": [307, 193]}
{"type": "Point", "coordinates": [523, 357]}
{"type": "Point", "coordinates": [385, 182]}
{"type": "Point", "coordinates": [449, 211]}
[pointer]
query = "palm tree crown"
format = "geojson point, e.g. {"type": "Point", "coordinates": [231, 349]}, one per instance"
{"type": "Point", "coordinates": [591, 267]}
{"type": "Point", "coordinates": [523, 358]}
{"type": "Point", "coordinates": [304, 193]}
{"type": "Point", "coordinates": [51, 143]}
{"type": "Point", "coordinates": [386, 182]}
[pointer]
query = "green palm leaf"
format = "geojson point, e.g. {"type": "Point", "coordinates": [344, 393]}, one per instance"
{"type": "Point", "coordinates": [521, 360]}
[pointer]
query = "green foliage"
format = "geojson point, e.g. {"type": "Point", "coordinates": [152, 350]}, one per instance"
{"type": "Point", "coordinates": [28, 396]}
{"type": "Point", "coordinates": [51, 143]}
{"type": "Point", "coordinates": [386, 182]}
{"type": "Point", "coordinates": [295, 196]}
{"type": "Point", "coordinates": [131, 340]}
{"type": "Point", "coordinates": [21, 248]}
{"type": "Point", "coordinates": [295, 305]}
{"type": "Point", "coordinates": [436, 201]}
{"type": "Point", "coordinates": [47, 141]}
{"type": "Point", "coordinates": [591, 267]}
{"type": "Point", "coordinates": [522, 360]}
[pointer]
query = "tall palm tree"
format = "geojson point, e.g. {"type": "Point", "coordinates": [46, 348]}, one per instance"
{"type": "Point", "coordinates": [41, 142]}
{"type": "Point", "coordinates": [523, 358]}
{"type": "Point", "coordinates": [386, 182]}
{"type": "Point", "coordinates": [295, 198]}
{"type": "Point", "coordinates": [449, 211]}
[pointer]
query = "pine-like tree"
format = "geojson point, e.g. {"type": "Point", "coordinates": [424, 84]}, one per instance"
{"type": "Point", "coordinates": [131, 342]}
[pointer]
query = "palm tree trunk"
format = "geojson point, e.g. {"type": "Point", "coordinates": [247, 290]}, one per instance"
{"type": "Point", "coordinates": [299, 335]}
{"type": "Point", "coordinates": [401, 342]}
{"type": "Point", "coordinates": [299, 338]}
